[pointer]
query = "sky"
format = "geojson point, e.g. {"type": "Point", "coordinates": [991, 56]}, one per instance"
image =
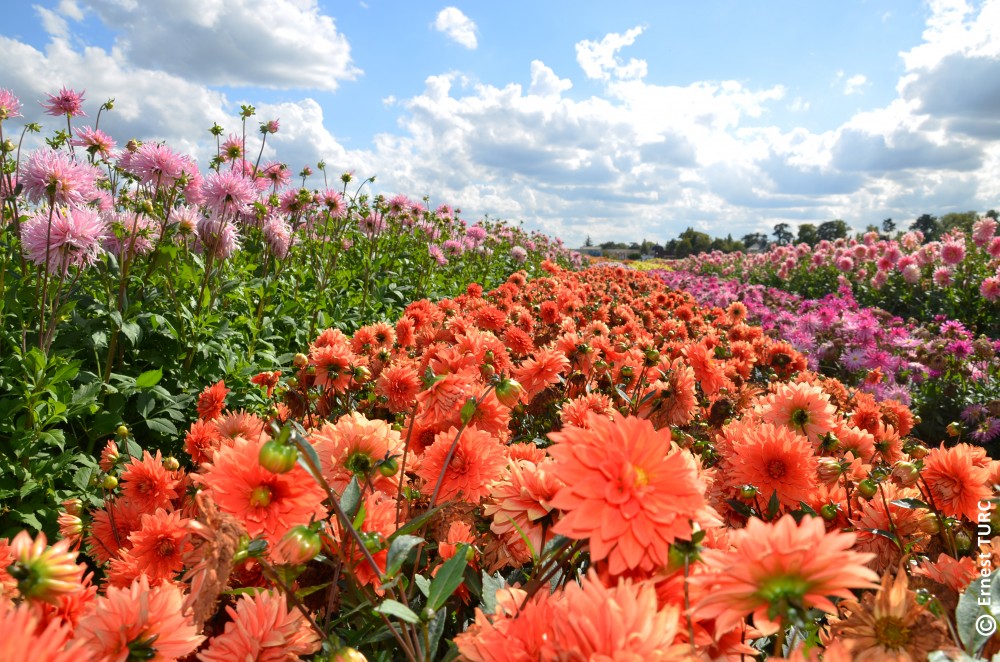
{"type": "Point", "coordinates": [624, 121]}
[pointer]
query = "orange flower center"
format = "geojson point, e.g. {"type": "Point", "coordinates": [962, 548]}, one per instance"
{"type": "Point", "coordinates": [892, 633]}
{"type": "Point", "coordinates": [260, 497]}
{"type": "Point", "coordinates": [775, 468]}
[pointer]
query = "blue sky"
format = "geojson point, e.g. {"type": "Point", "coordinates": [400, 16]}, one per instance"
{"type": "Point", "coordinates": [619, 121]}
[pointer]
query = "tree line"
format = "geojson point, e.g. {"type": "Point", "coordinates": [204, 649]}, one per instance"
{"type": "Point", "coordinates": [693, 242]}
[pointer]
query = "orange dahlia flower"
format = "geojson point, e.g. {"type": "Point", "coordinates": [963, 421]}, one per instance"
{"type": "Point", "coordinates": [138, 622]}
{"type": "Point", "coordinates": [775, 569]}
{"type": "Point", "coordinates": [263, 502]}
{"type": "Point", "coordinates": [477, 461]}
{"type": "Point", "coordinates": [262, 628]}
{"type": "Point", "coordinates": [957, 480]}
{"type": "Point", "coordinates": [773, 459]}
{"type": "Point", "coordinates": [629, 491]}
{"type": "Point", "coordinates": [803, 408]}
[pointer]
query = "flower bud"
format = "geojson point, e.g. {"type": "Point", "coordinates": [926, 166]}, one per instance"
{"type": "Point", "coordinates": [867, 488]}
{"type": "Point", "coordinates": [170, 463]}
{"type": "Point", "coordinates": [300, 360]}
{"type": "Point", "coordinates": [277, 457]}
{"type": "Point", "coordinates": [300, 545]}
{"type": "Point", "coordinates": [361, 374]}
{"type": "Point", "coordinates": [468, 410]}
{"type": "Point", "coordinates": [44, 572]}
{"type": "Point", "coordinates": [828, 512]}
{"type": "Point", "coordinates": [122, 431]}
{"type": "Point", "coordinates": [919, 451]}
{"type": "Point", "coordinates": [929, 524]}
{"type": "Point", "coordinates": [388, 467]}
{"type": "Point", "coordinates": [348, 654]}
{"type": "Point", "coordinates": [954, 429]}
{"type": "Point", "coordinates": [748, 492]}
{"type": "Point", "coordinates": [829, 471]}
{"type": "Point", "coordinates": [509, 392]}
{"type": "Point", "coordinates": [109, 483]}
{"type": "Point", "coordinates": [905, 473]}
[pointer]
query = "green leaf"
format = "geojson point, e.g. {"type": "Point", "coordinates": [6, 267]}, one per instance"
{"type": "Point", "coordinates": [423, 584]}
{"type": "Point", "coordinates": [351, 498]}
{"type": "Point", "coordinates": [149, 379]}
{"type": "Point", "coordinates": [132, 331]}
{"type": "Point", "coordinates": [491, 584]}
{"type": "Point", "coordinates": [162, 426]}
{"type": "Point", "coordinates": [448, 578]}
{"type": "Point", "coordinates": [910, 502]}
{"type": "Point", "coordinates": [398, 610]}
{"type": "Point", "coordinates": [415, 523]}
{"type": "Point", "coordinates": [435, 630]}
{"type": "Point", "coordinates": [399, 549]}
{"type": "Point", "coordinates": [975, 621]}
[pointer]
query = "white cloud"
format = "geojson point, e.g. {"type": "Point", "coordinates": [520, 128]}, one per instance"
{"type": "Point", "coordinates": [632, 160]}
{"type": "Point", "coordinates": [599, 60]}
{"type": "Point", "coordinates": [263, 43]}
{"type": "Point", "coordinates": [544, 81]}
{"type": "Point", "coordinates": [457, 26]}
{"type": "Point", "coordinates": [53, 24]}
{"type": "Point", "coordinates": [855, 84]}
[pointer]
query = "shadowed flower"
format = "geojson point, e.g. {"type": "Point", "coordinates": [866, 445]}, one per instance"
{"type": "Point", "coordinates": [520, 504]}
{"type": "Point", "coordinates": [891, 625]}
{"type": "Point", "coordinates": [138, 622]}
{"type": "Point", "coordinates": [262, 628]}
{"type": "Point", "coordinates": [628, 490]}
{"type": "Point", "coordinates": [776, 571]}
{"type": "Point", "coordinates": [94, 141]}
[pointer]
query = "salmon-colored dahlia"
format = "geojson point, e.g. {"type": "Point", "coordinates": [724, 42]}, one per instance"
{"type": "Point", "coordinates": [628, 490]}
{"type": "Point", "coordinates": [264, 503]}
{"type": "Point", "coordinates": [778, 568]}
{"type": "Point", "coordinates": [399, 385]}
{"type": "Point", "coordinates": [161, 544]}
{"type": "Point", "coordinates": [803, 408]}
{"type": "Point", "coordinates": [262, 628]}
{"type": "Point", "coordinates": [958, 480]}
{"type": "Point", "coordinates": [138, 622]}
{"type": "Point", "coordinates": [624, 622]}
{"type": "Point", "coordinates": [212, 400]}
{"type": "Point", "coordinates": [24, 638]}
{"type": "Point", "coordinates": [353, 446]}
{"type": "Point", "coordinates": [512, 633]}
{"type": "Point", "coordinates": [519, 504]}
{"type": "Point", "coordinates": [149, 484]}
{"type": "Point", "coordinates": [542, 370]}
{"type": "Point", "coordinates": [478, 459]}
{"type": "Point", "coordinates": [772, 459]}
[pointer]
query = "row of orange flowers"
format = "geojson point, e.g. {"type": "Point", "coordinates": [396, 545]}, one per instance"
{"type": "Point", "coordinates": [682, 481]}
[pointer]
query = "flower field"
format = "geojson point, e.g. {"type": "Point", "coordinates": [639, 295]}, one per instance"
{"type": "Point", "coordinates": [246, 420]}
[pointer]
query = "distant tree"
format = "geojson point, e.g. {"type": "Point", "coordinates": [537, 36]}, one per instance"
{"type": "Point", "coordinates": [754, 241]}
{"type": "Point", "coordinates": [589, 243]}
{"type": "Point", "coordinates": [888, 226]}
{"type": "Point", "coordinates": [782, 234]}
{"type": "Point", "coordinates": [928, 225]}
{"type": "Point", "coordinates": [993, 214]}
{"type": "Point", "coordinates": [832, 230]}
{"type": "Point", "coordinates": [807, 234]}
{"type": "Point", "coordinates": [692, 242]}
{"type": "Point", "coordinates": [958, 221]}
{"type": "Point", "coordinates": [614, 245]}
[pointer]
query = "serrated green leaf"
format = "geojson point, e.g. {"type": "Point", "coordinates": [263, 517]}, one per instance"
{"type": "Point", "coordinates": [423, 584]}
{"type": "Point", "coordinates": [492, 584]}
